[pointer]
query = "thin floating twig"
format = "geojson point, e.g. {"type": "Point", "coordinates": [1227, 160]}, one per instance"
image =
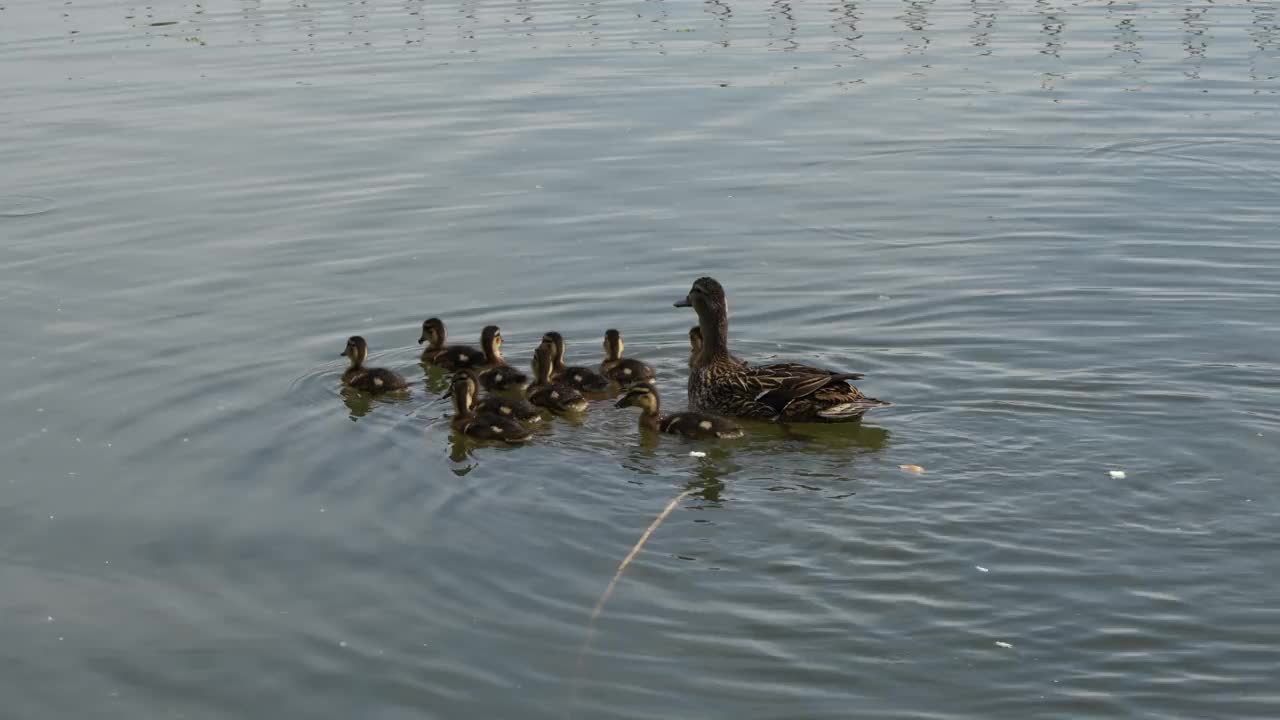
{"type": "Point", "coordinates": [613, 584]}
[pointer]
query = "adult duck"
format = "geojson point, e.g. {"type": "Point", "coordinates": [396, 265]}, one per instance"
{"type": "Point", "coordinates": [720, 383]}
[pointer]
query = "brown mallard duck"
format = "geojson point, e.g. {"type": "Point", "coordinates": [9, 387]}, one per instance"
{"type": "Point", "coordinates": [439, 353]}
{"type": "Point", "coordinates": [471, 421]}
{"type": "Point", "coordinates": [553, 396]}
{"type": "Point", "coordinates": [496, 375]}
{"type": "Point", "coordinates": [624, 371]}
{"type": "Point", "coordinates": [578, 378]}
{"type": "Point", "coordinates": [371, 380]}
{"type": "Point", "coordinates": [696, 425]}
{"type": "Point", "coordinates": [721, 383]}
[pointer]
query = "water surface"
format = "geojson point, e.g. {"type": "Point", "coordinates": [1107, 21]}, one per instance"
{"type": "Point", "coordinates": [1045, 231]}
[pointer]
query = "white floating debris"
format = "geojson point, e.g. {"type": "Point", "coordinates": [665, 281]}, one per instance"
{"type": "Point", "coordinates": [49, 619]}
{"type": "Point", "coordinates": [916, 469]}
{"type": "Point", "coordinates": [1005, 645]}
{"type": "Point", "coordinates": [697, 453]}
{"type": "Point", "coordinates": [981, 569]}
{"type": "Point", "coordinates": [342, 643]}
{"type": "Point", "coordinates": [1117, 475]}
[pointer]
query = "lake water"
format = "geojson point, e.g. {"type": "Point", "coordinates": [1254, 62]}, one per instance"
{"type": "Point", "coordinates": [1046, 231]}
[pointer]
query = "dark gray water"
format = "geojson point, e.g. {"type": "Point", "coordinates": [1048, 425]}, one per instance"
{"type": "Point", "coordinates": [1046, 231]}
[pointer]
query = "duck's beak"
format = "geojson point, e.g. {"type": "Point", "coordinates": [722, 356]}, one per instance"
{"type": "Point", "coordinates": [422, 339]}
{"type": "Point", "coordinates": [684, 303]}
{"type": "Point", "coordinates": [621, 403]}
{"type": "Point", "coordinates": [342, 354]}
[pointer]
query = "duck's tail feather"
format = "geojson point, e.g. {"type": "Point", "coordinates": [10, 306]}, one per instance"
{"type": "Point", "coordinates": [852, 409]}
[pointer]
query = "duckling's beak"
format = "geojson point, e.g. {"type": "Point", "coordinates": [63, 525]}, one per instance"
{"type": "Point", "coordinates": [344, 353]}
{"type": "Point", "coordinates": [684, 303]}
{"type": "Point", "coordinates": [622, 403]}
{"type": "Point", "coordinates": [422, 339]}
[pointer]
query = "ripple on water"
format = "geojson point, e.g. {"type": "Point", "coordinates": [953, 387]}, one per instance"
{"type": "Point", "coordinates": [23, 205]}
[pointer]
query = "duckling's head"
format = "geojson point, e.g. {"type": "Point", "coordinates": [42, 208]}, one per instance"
{"type": "Point", "coordinates": [555, 341]}
{"type": "Point", "coordinates": [433, 333]}
{"type": "Point", "coordinates": [357, 350]}
{"type": "Point", "coordinates": [695, 343]}
{"type": "Point", "coordinates": [491, 342]}
{"type": "Point", "coordinates": [612, 344]}
{"type": "Point", "coordinates": [641, 395]}
{"type": "Point", "coordinates": [463, 388]}
{"type": "Point", "coordinates": [705, 294]}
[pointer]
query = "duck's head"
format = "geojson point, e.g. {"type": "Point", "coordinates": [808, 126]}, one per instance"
{"type": "Point", "coordinates": [705, 294]}
{"type": "Point", "coordinates": [462, 389]}
{"type": "Point", "coordinates": [357, 350]}
{"type": "Point", "coordinates": [555, 341]}
{"type": "Point", "coordinates": [612, 344]}
{"type": "Point", "coordinates": [695, 343]}
{"type": "Point", "coordinates": [491, 342]}
{"type": "Point", "coordinates": [641, 395]}
{"type": "Point", "coordinates": [433, 333]}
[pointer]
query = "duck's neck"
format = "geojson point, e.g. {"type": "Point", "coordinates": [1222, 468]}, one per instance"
{"type": "Point", "coordinates": [613, 353]}
{"type": "Point", "coordinates": [461, 403]}
{"type": "Point", "coordinates": [557, 363]}
{"type": "Point", "coordinates": [713, 320]}
{"type": "Point", "coordinates": [541, 369]}
{"type": "Point", "coordinates": [492, 355]}
{"type": "Point", "coordinates": [649, 418]}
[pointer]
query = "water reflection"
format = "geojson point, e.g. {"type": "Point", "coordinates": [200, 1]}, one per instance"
{"type": "Point", "coordinates": [315, 26]}
{"type": "Point", "coordinates": [722, 13]}
{"type": "Point", "coordinates": [846, 26]}
{"type": "Point", "coordinates": [916, 19]}
{"type": "Point", "coordinates": [1194, 42]}
{"type": "Point", "coordinates": [984, 21]}
{"type": "Point", "coordinates": [358, 404]}
{"type": "Point", "coordinates": [781, 13]}
{"type": "Point", "coordinates": [1051, 27]}
{"type": "Point", "coordinates": [435, 379]}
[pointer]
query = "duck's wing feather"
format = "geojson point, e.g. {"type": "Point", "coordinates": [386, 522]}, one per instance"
{"type": "Point", "coordinates": [800, 368]}
{"type": "Point", "coordinates": [778, 389]}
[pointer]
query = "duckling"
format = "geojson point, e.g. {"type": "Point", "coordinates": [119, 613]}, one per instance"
{"type": "Point", "coordinates": [449, 357]}
{"type": "Point", "coordinates": [781, 392]}
{"type": "Point", "coordinates": [468, 421]}
{"type": "Point", "coordinates": [372, 380]}
{"type": "Point", "coordinates": [497, 375]}
{"type": "Point", "coordinates": [515, 408]}
{"type": "Point", "coordinates": [623, 371]}
{"type": "Point", "coordinates": [689, 424]}
{"type": "Point", "coordinates": [553, 396]}
{"type": "Point", "coordinates": [578, 378]}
